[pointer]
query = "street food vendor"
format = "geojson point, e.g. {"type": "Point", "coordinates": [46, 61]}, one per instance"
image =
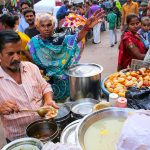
{"type": "Point", "coordinates": [55, 54]}
{"type": "Point", "coordinates": [21, 87]}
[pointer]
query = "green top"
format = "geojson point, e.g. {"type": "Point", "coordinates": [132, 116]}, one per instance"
{"type": "Point", "coordinates": [118, 5]}
{"type": "Point", "coordinates": [112, 19]}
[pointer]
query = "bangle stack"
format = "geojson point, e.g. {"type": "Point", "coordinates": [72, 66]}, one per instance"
{"type": "Point", "coordinates": [86, 28]}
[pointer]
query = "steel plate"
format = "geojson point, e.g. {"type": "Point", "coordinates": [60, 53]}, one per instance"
{"type": "Point", "coordinates": [84, 106]}
{"type": "Point", "coordinates": [68, 134]}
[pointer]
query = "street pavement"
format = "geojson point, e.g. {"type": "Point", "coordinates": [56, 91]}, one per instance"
{"type": "Point", "coordinates": [101, 54]}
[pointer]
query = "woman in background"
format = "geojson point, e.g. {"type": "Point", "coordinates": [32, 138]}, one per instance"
{"type": "Point", "coordinates": [131, 46]}
{"type": "Point", "coordinates": [55, 54]}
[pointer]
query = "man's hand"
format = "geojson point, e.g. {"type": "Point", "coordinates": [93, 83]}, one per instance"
{"type": "Point", "coordinates": [8, 107]}
{"type": "Point", "coordinates": [122, 28]}
{"type": "Point", "coordinates": [48, 100]}
{"type": "Point", "coordinates": [97, 17]}
{"type": "Point", "coordinates": [51, 103]}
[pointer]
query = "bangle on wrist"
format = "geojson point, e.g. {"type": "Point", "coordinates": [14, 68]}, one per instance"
{"type": "Point", "coordinates": [86, 28]}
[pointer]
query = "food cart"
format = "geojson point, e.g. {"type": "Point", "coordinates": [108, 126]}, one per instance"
{"type": "Point", "coordinates": [108, 121]}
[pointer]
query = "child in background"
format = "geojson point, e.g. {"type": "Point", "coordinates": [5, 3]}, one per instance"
{"type": "Point", "coordinates": [144, 32]}
{"type": "Point", "coordinates": [112, 20]}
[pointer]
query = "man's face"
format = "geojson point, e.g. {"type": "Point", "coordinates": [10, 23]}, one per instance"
{"type": "Point", "coordinates": [46, 27]}
{"type": "Point", "coordinates": [144, 8]}
{"type": "Point", "coordinates": [24, 7]}
{"type": "Point", "coordinates": [67, 4]}
{"type": "Point", "coordinates": [10, 56]}
{"type": "Point", "coordinates": [30, 18]}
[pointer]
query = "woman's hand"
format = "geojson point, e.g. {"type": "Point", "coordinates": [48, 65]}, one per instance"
{"type": "Point", "coordinates": [97, 17]}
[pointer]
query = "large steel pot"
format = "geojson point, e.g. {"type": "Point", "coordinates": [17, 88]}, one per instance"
{"type": "Point", "coordinates": [90, 119]}
{"type": "Point", "coordinates": [24, 144]}
{"type": "Point", "coordinates": [84, 81]}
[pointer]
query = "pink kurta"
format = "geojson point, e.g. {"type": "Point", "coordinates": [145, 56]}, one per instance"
{"type": "Point", "coordinates": [28, 95]}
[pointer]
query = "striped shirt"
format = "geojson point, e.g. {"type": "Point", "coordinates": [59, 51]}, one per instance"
{"type": "Point", "coordinates": [27, 95]}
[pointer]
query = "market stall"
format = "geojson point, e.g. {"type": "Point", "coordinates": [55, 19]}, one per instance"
{"type": "Point", "coordinates": [63, 125]}
{"type": "Point", "coordinates": [70, 131]}
{"type": "Point", "coordinates": [59, 128]}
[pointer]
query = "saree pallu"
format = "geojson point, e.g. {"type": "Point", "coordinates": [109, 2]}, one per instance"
{"type": "Point", "coordinates": [125, 57]}
{"type": "Point", "coordinates": [24, 41]}
{"type": "Point", "coordinates": [54, 56]}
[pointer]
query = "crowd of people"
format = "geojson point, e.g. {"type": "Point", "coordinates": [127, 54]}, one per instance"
{"type": "Point", "coordinates": [32, 37]}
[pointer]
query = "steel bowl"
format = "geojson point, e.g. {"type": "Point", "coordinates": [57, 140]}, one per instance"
{"type": "Point", "coordinates": [90, 119]}
{"type": "Point", "coordinates": [83, 107]}
{"type": "Point", "coordinates": [44, 130]}
{"type": "Point", "coordinates": [102, 85]}
{"type": "Point", "coordinates": [24, 144]}
{"type": "Point", "coordinates": [104, 89]}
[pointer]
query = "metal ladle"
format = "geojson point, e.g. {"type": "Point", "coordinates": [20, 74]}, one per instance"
{"type": "Point", "coordinates": [41, 111]}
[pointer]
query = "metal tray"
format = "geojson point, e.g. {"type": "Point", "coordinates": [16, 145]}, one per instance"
{"type": "Point", "coordinates": [68, 134]}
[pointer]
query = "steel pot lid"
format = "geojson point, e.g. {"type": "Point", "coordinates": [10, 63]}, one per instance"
{"type": "Point", "coordinates": [68, 134]}
{"type": "Point", "coordinates": [83, 106]}
{"type": "Point", "coordinates": [84, 70]}
{"type": "Point", "coordinates": [24, 144]}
